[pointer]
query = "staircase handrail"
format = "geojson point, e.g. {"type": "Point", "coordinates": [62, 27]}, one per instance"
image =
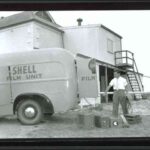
{"type": "Point", "coordinates": [137, 72]}
{"type": "Point", "coordinates": [126, 56]}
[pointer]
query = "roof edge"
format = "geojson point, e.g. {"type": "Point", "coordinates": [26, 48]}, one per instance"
{"type": "Point", "coordinates": [92, 25]}
{"type": "Point", "coordinates": [30, 20]}
{"type": "Point", "coordinates": [37, 19]}
{"type": "Point", "coordinates": [104, 27]}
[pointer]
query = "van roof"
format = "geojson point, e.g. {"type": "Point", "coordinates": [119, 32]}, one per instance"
{"type": "Point", "coordinates": [33, 56]}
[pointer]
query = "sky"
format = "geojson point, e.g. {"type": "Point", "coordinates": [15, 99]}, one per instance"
{"type": "Point", "coordinates": [133, 26]}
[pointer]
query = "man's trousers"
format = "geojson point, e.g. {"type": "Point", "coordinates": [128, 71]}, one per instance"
{"type": "Point", "coordinates": [119, 97]}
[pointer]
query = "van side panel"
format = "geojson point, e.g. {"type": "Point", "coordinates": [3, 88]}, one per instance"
{"type": "Point", "coordinates": [5, 92]}
{"type": "Point", "coordinates": [54, 78]}
{"type": "Point", "coordinates": [50, 72]}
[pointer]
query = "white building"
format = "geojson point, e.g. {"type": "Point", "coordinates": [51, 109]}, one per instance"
{"type": "Point", "coordinates": [96, 41]}
{"type": "Point", "coordinates": [29, 30]}
{"type": "Point", "coordinates": [32, 30]}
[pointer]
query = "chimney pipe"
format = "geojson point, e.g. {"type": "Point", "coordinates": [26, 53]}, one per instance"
{"type": "Point", "coordinates": [79, 20]}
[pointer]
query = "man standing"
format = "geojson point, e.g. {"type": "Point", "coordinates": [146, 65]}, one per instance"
{"type": "Point", "coordinates": [120, 90]}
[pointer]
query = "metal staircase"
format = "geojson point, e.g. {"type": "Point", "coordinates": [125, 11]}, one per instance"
{"type": "Point", "coordinates": [125, 60]}
{"type": "Point", "coordinates": [132, 77]}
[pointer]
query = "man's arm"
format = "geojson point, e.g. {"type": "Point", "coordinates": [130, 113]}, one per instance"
{"type": "Point", "coordinates": [108, 88]}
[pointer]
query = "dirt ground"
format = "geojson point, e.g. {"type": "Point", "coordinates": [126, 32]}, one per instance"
{"type": "Point", "coordinates": [64, 125]}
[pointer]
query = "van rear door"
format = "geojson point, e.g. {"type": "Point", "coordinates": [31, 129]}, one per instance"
{"type": "Point", "coordinates": [87, 77]}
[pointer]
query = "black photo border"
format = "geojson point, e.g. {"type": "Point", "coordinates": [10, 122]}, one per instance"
{"type": "Point", "coordinates": [75, 143]}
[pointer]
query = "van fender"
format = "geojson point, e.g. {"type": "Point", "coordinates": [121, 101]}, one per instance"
{"type": "Point", "coordinates": [44, 101]}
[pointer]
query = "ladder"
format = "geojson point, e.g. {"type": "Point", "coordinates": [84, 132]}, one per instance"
{"type": "Point", "coordinates": [135, 81]}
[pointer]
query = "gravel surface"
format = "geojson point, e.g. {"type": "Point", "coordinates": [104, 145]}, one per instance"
{"type": "Point", "coordinates": [64, 125]}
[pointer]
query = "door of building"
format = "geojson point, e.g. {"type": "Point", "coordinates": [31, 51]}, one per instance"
{"type": "Point", "coordinates": [105, 76]}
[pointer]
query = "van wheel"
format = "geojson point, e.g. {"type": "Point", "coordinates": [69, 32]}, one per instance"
{"type": "Point", "coordinates": [29, 112]}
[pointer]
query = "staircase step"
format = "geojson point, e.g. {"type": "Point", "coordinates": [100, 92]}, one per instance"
{"type": "Point", "coordinates": [133, 81]}
{"type": "Point", "coordinates": [131, 75]}
{"type": "Point", "coordinates": [135, 87]}
{"type": "Point", "coordinates": [138, 90]}
{"type": "Point", "coordinates": [131, 78]}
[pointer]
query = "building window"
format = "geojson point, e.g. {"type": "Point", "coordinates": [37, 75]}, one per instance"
{"type": "Point", "coordinates": [109, 45]}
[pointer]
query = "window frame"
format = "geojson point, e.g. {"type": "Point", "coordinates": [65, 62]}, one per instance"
{"type": "Point", "coordinates": [110, 47]}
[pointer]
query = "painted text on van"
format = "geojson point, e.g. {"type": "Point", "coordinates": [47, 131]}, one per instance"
{"type": "Point", "coordinates": [24, 72]}
{"type": "Point", "coordinates": [26, 69]}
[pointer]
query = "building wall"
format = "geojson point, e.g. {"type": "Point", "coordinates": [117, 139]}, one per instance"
{"type": "Point", "coordinates": [103, 53]}
{"type": "Point", "coordinates": [17, 38]}
{"type": "Point", "coordinates": [81, 40]}
{"type": "Point", "coordinates": [91, 41]}
{"type": "Point", "coordinates": [29, 36]}
{"type": "Point", "coordinates": [46, 37]}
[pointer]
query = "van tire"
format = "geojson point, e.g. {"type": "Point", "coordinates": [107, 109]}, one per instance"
{"type": "Point", "coordinates": [29, 112]}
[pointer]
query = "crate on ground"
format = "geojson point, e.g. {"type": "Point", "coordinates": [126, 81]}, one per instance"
{"type": "Point", "coordinates": [105, 122]}
{"type": "Point", "coordinates": [97, 119]}
{"type": "Point", "coordinates": [133, 119]}
{"type": "Point", "coordinates": [102, 121]}
{"type": "Point", "coordinates": [85, 120]}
